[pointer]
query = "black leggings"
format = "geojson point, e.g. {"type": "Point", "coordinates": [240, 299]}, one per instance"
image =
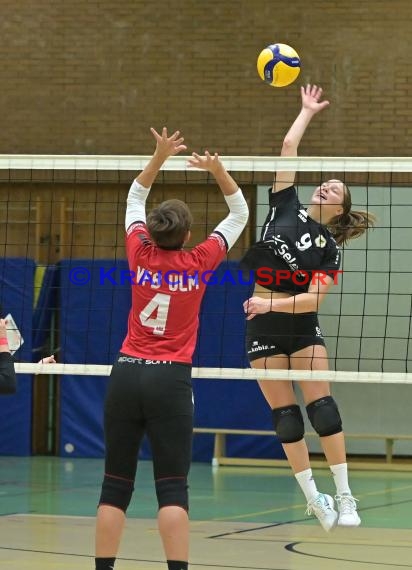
{"type": "Point", "coordinates": [153, 399]}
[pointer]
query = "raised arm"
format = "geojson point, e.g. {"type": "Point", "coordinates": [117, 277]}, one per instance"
{"type": "Point", "coordinates": [234, 223]}
{"type": "Point", "coordinates": [165, 146]}
{"type": "Point", "coordinates": [311, 104]}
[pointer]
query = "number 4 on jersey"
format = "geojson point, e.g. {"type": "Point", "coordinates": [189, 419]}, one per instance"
{"type": "Point", "coordinates": [159, 306]}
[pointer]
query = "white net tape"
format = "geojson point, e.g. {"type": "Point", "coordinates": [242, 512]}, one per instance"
{"type": "Point", "coordinates": [235, 163]}
{"type": "Point", "coordinates": [231, 373]}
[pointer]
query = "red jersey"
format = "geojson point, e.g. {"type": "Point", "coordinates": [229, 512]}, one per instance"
{"type": "Point", "coordinates": [168, 287]}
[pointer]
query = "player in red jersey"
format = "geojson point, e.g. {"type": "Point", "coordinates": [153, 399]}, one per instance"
{"type": "Point", "coordinates": [150, 386]}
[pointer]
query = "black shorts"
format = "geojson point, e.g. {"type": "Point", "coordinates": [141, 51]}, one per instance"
{"type": "Point", "coordinates": [153, 398]}
{"type": "Point", "coordinates": [281, 333]}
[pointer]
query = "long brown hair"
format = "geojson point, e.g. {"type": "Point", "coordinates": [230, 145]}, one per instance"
{"type": "Point", "coordinates": [351, 223]}
{"type": "Point", "coordinates": [169, 223]}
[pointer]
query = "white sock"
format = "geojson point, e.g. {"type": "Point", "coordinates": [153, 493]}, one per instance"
{"type": "Point", "coordinates": [307, 484]}
{"type": "Point", "coordinates": [340, 476]}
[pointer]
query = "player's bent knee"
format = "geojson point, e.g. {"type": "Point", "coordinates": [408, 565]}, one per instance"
{"type": "Point", "coordinates": [116, 492]}
{"type": "Point", "coordinates": [324, 416]}
{"type": "Point", "coordinates": [288, 423]}
{"type": "Point", "coordinates": [172, 491]}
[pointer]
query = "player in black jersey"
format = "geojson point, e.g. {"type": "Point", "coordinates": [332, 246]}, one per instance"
{"type": "Point", "coordinates": [296, 262]}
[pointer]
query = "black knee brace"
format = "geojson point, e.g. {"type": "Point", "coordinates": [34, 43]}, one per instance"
{"type": "Point", "coordinates": [324, 416]}
{"type": "Point", "coordinates": [116, 492]}
{"type": "Point", "coordinates": [288, 423]}
{"type": "Point", "coordinates": [172, 491]}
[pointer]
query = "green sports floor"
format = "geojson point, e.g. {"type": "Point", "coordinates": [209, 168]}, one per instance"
{"type": "Point", "coordinates": [241, 518]}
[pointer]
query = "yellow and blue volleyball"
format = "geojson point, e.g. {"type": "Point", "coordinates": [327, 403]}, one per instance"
{"type": "Point", "coordinates": [278, 65]}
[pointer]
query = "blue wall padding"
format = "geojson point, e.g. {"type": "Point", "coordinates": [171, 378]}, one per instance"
{"type": "Point", "coordinates": [92, 327]}
{"type": "Point", "coordinates": [93, 323]}
{"type": "Point", "coordinates": [16, 298]}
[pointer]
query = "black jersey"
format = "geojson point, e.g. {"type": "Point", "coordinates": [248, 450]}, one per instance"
{"type": "Point", "coordinates": [292, 247]}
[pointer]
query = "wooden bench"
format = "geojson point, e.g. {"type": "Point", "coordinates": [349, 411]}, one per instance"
{"type": "Point", "coordinates": [220, 457]}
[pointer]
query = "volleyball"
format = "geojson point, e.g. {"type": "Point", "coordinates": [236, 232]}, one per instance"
{"type": "Point", "coordinates": [278, 65]}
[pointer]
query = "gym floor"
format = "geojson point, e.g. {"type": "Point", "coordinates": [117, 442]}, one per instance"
{"type": "Point", "coordinates": [241, 518]}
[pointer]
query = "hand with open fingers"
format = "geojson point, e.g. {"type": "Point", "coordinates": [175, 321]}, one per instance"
{"type": "Point", "coordinates": [311, 98]}
{"type": "Point", "coordinates": [256, 306]}
{"type": "Point", "coordinates": [168, 146]}
{"type": "Point", "coordinates": [207, 162]}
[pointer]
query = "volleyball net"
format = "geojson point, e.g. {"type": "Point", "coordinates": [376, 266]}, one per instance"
{"type": "Point", "coordinates": [62, 222]}
{"type": "Point", "coordinates": [64, 288]}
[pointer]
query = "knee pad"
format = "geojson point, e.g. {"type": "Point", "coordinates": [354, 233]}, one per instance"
{"type": "Point", "coordinates": [172, 491]}
{"type": "Point", "coordinates": [116, 492]}
{"type": "Point", "coordinates": [324, 416]}
{"type": "Point", "coordinates": [288, 423]}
